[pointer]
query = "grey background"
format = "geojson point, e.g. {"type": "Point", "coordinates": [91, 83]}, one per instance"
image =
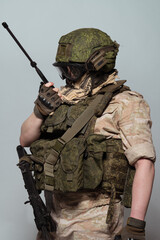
{"type": "Point", "coordinates": [38, 25]}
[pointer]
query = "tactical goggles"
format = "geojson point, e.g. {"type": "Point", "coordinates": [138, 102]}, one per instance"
{"type": "Point", "coordinates": [71, 71]}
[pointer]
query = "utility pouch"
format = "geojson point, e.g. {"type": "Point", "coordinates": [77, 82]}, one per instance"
{"type": "Point", "coordinates": [41, 150]}
{"type": "Point", "coordinates": [60, 171]}
{"type": "Point", "coordinates": [127, 195]}
{"type": "Point", "coordinates": [115, 167]}
{"type": "Point", "coordinates": [68, 172]}
{"type": "Point", "coordinates": [93, 164]}
{"type": "Point", "coordinates": [75, 159]}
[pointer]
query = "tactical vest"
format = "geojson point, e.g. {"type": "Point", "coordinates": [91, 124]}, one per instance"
{"type": "Point", "coordinates": [88, 161]}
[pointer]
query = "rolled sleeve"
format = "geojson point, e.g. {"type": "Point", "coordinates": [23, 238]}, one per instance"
{"type": "Point", "coordinates": [138, 151]}
{"type": "Point", "coordinates": [128, 118]}
{"type": "Point", "coordinates": [135, 128]}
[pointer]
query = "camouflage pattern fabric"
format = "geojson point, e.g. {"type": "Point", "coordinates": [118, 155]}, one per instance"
{"type": "Point", "coordinates": [128, 118]}
{"type": "Point", "coordinates": [79, 45]}
{"type": "Point", "coordinates": [82, 88]}
{"type": "Point", "coordinates": [85, 218]}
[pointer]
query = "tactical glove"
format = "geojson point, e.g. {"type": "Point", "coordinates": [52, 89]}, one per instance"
{"type": "Point", "coordinates": [46, 102]}
{"type": "Point", "coordinates": [134, 230]}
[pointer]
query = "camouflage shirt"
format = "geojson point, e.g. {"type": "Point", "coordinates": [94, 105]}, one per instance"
{"type": "Point", "coordinates": [127, 117]}
{"type": "Point", "coordinates": [83, 215]}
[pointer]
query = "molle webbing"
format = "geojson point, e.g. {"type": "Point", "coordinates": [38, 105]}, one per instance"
{"type": "Point", "coordinates": [114, 180]}
{"type": "Point", "coordinates": [52, 159]}
{"type": "Point", "coordinates": [66, 115]}
{"type": "Point", "coordinates": [79, 123]}
{"type": "Point", "coordinates": [57, 147]}
{"type": "Point", "coordinates": [96, 107]}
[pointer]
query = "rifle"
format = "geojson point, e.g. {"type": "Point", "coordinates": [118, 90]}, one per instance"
{"type": "Point", "coordinates": [43, 220]}
{"type": "Point", "coordinates": [32, 63]}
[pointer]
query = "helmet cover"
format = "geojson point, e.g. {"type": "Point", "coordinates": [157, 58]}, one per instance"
{"type": "Point", "coordinates": [78, 46]}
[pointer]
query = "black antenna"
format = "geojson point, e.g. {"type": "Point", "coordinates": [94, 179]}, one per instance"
{"type": "Point", "coordinates": [33, 64]}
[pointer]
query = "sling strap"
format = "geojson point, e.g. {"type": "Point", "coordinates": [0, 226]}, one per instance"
{"type": "Point", "coordinates": [103, 98]}
{"type": "Point", "coordinates": [91, 110]}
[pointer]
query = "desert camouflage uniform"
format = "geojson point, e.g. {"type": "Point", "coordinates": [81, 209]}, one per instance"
{"type": "Point", "coordinates": [83, 215]}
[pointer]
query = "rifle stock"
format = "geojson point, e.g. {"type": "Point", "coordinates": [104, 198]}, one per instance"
{"type": "Point", "coordinates": [42, 219]}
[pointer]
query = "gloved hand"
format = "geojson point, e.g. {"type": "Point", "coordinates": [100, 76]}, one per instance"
{"type": "Point", "coordinates": [47, 101]}
{"type": "Point", "coordinates": [134, 230]}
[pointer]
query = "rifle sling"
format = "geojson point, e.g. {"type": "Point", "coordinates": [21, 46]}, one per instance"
{"type": "Point", "coordinates": [84, 118]}
{"type": "Point", "coordinates": [90, 111]}
{"type": "Point", "coordinates": [79, 123]}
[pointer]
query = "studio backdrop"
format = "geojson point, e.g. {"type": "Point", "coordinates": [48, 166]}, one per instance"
{"type": "Point", "coordinates": [38, 25]}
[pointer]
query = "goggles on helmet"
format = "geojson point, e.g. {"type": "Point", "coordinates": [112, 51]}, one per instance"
{"type": "Point", "coordinates": [71, 71]}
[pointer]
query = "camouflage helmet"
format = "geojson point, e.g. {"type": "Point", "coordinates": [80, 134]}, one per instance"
{"type": "Point", "coordinates": [90, 46]}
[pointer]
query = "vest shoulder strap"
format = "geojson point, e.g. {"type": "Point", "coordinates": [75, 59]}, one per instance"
{"type": "Point", "coordinates": [82, 120]}
{"type": "Point", "coordinates": [103, 98]}
{"type": "Point", "coordinates": [96, 107]}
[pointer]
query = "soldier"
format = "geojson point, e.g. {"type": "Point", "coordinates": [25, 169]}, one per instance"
{"type": "Point", "coordinates": [91, 143]}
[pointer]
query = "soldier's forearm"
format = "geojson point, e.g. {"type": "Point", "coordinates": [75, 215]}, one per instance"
{"type": "Point", "coordinates": [142, 188]}
{"type": "Point", "coordinates": [30, 130]}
